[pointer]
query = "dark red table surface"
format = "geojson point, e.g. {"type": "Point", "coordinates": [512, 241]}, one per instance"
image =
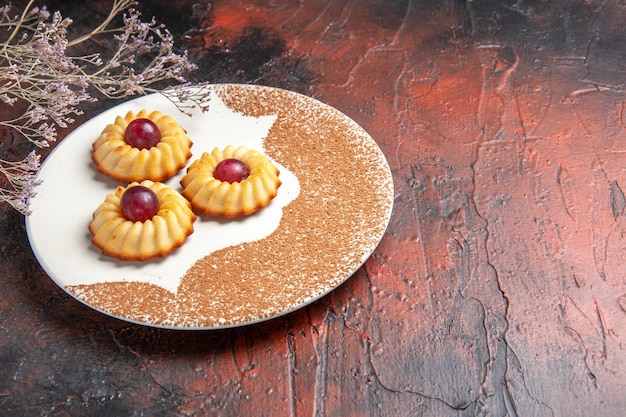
{"type": "Point", "coordinates": [499, 288]}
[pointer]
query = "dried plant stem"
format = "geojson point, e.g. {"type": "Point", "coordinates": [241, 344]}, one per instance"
{"type": "Point", "coordinates": [18, 25]}
{"type": "Point", "coordinates": [118, 7]}
{"type": "Point", "coordinates": [38, 73]}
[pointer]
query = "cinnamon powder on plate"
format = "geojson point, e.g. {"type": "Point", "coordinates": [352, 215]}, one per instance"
{"type": "Point", "coordinates": [325, 234]}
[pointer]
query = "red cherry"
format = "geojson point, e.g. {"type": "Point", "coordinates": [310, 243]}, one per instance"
{"type": "Point", "coordinates": [231, 170]}
{"type": "Point", "coordinates": [142, 133]}
{"type": "Point", "coordinates": [139, 203]}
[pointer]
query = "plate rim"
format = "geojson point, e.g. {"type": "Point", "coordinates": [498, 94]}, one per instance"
{"type": "Point", "coordinates": [308, 301]}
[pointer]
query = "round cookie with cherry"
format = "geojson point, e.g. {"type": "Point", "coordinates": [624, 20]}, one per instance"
{"type": "Point", "coordinates": [230, 182]}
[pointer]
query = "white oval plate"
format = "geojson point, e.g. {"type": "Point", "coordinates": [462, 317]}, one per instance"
{"type": "Point", "coordinates": [197, 286]}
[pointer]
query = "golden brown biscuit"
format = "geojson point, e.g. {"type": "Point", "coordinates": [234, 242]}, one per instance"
{"type": "Point", "coordinates": [213, 196]}
{"type": "Point", "coordinates": [120, 237]}
{"type": "Point", "coordinates": [118, 159]}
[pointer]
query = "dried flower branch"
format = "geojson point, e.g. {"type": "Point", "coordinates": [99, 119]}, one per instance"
{"type": "Point", "coordinates": [38, 75]}
{"type": "Point", "coordinates": [22, 181]}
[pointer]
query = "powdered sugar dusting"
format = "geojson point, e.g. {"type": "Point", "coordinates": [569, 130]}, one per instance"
{"type": "Point", "coordinates": [325, 235]}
